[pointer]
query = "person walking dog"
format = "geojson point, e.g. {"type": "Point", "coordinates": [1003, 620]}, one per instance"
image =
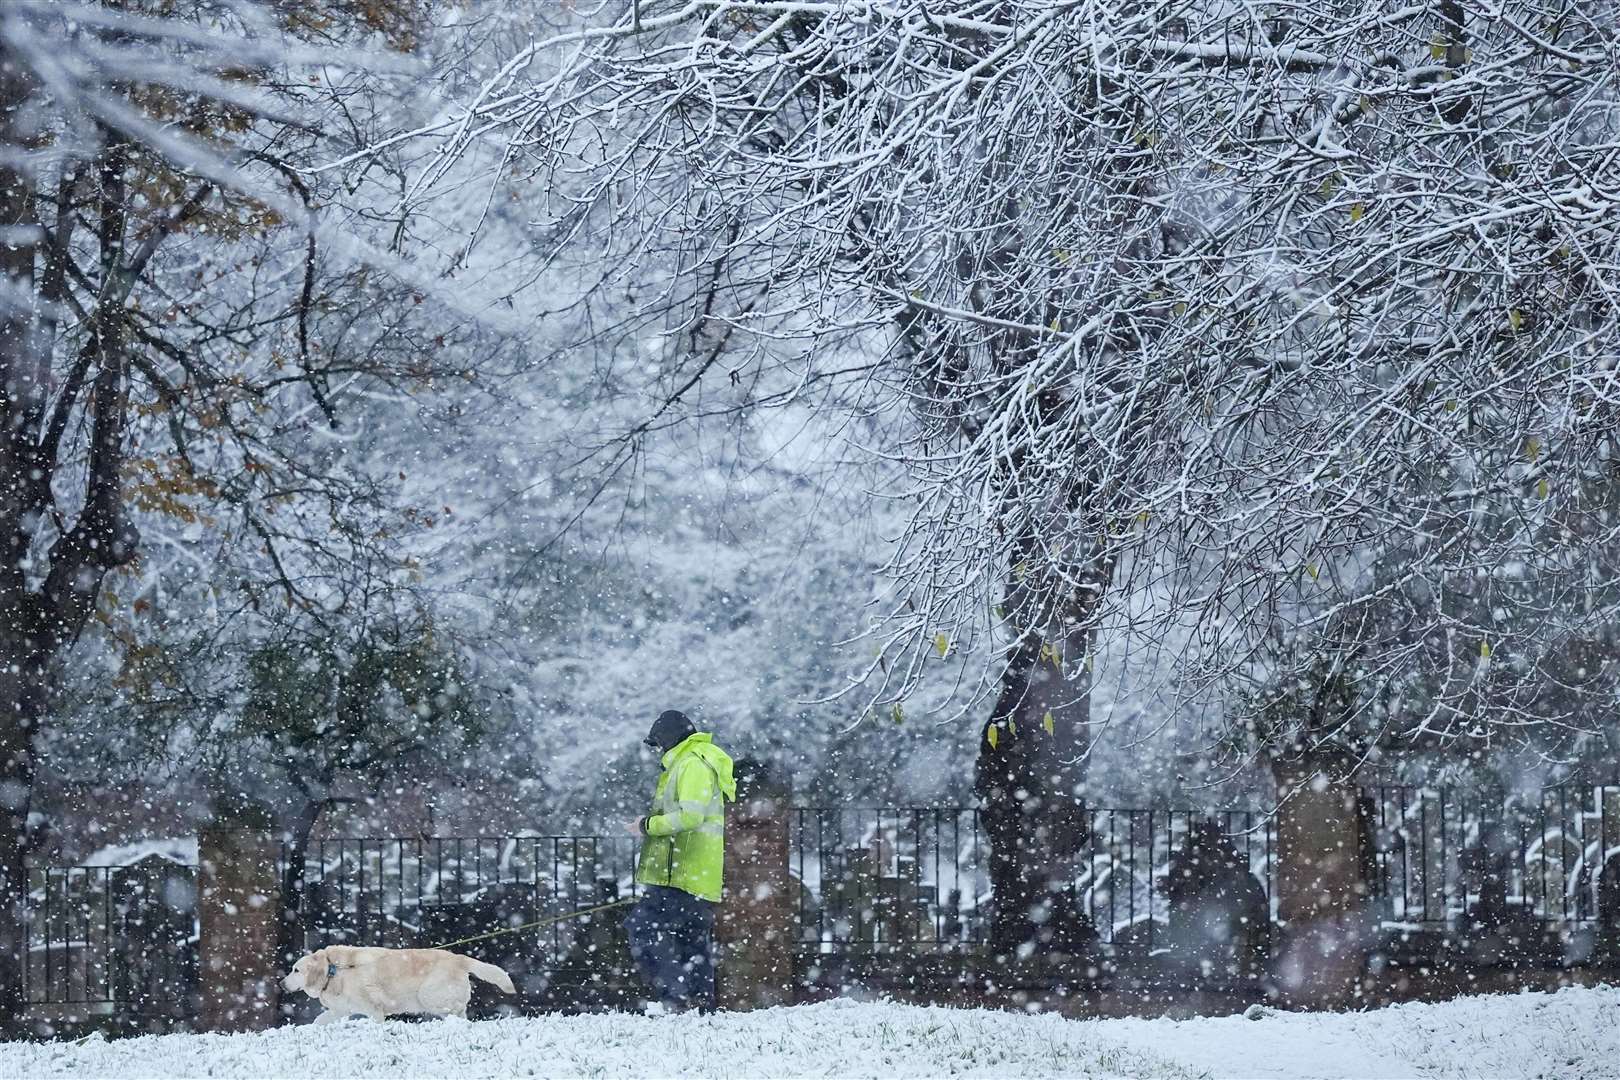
{"type": "Point", "coordinates": [681, 866]}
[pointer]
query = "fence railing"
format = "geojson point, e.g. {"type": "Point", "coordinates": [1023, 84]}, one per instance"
{"type": "Point", "coordinates": [1444, 858]}
{"type": "Point", "coordinates": [121, 936]}
{"type": "Point", "coordinates": [882, 879]}
{"type": "Point", "coordinates": [889, 877]}
{"type": "Point", "coordinates": [382, 883]}
{"type": "Point", "coordinates": [1146, 887]}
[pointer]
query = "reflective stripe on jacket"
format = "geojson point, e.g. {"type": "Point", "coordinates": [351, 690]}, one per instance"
{"type": "Point", "coordinates": [685, 842]}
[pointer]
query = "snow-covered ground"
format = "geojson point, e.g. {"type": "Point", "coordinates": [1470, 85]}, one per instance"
{"type": "Point", "coordinates": [1571, 1034]}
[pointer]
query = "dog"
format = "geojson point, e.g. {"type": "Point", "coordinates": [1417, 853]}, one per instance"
{"type": "Point", "coordinates": [383, 982]}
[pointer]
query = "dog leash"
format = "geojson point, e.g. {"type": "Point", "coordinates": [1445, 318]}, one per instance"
{"type": "Point", "coordinates": [332, 967]}
{"type": "Point", "coordinates": [581, 913]}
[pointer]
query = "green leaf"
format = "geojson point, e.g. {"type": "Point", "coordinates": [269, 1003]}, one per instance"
{"type": "Point", "coordinates": [1048, 723]}
{"type": "Point", "coordinates": [898, 714]}
{"type": "Point", "coordinates": [1485, 650]}
{"type": "Point", "coordinates": [1357, 210]}
{"type": "Point", "coordinates": [942, 643]}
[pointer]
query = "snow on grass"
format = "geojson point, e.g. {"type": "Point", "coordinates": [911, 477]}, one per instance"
{"type": "Point", "coordinates": [1571, 1034]}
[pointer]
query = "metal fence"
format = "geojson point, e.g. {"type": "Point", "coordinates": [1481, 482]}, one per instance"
{"type": "Point", "coordinates": [880, 880]}
{"type": "Point", "coordinates": [886, 878]}
{"type": "Point", "coordinates": [877, 887]}
{"type": "Point", "coordinates": [112, 936]}
{"type": "Point", "coordinates": [1445, 858]}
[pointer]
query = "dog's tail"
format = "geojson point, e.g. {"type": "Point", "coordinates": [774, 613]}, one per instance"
{"type": "Point", "coordinates": [490, 974]}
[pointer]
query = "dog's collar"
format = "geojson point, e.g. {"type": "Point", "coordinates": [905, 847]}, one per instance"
{"type": "Point", "coordinates": [331, 971]}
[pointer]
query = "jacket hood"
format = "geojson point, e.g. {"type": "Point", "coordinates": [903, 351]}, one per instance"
{"type": "Point", "coordinates": [702, 745]}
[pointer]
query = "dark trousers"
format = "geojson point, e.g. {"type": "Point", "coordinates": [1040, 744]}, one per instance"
{"type": "Point", "coordinates": [670, 933]}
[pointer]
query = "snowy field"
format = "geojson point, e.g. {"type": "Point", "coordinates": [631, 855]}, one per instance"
{"type": "Point", "coordinates": [1571, 1034]}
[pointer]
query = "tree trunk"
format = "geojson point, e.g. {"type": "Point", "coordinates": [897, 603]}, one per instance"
{"type": "Point", "coordinates": [23, 689]}
{"type": "Point", "coordinates": [1029, 773]}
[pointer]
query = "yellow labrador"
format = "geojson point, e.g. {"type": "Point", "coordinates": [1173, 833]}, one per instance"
{"type": "Point", "coordinates": [383, 982]}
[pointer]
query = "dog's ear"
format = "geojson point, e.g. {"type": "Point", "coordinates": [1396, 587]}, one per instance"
{"type": "Point", "coordinates": [320, 970]}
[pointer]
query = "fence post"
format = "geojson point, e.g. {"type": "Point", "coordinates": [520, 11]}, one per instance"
{"type": "Point", "coordinates": [1323, 886]}
{"type": "Point", "coordinates": [1608, 884]}
{"type": "Point", "coordinates": [238, 908]}
{"type": "Point", "coordinates": [755, 922]}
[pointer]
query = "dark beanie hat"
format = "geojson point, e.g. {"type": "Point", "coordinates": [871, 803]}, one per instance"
{"type": "Point", "coordinates": [671, 727]}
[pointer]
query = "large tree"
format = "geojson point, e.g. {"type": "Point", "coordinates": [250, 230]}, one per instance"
{"type": "Point", "coordinates": [150, 363]}
{"type": "Point", "coordinates": [1165, 309]}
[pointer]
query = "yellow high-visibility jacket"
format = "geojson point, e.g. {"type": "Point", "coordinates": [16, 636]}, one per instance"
{"type": "Point", "coordinates": [685, 835]}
